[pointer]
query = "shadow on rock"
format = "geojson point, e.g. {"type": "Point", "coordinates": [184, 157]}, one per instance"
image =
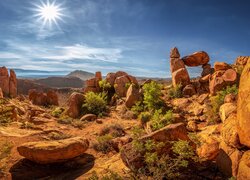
{"type": "Point", "coordinates": [25, 169]}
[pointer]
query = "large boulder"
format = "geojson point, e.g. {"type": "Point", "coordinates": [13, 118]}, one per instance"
{"type": "Point", "coordinates": [52, 98]}
{"type": "Point", "coordinates": [228, 160]}
{"type": "Point", "coordinates": [227, 109]}
{"type": "Point", "coordinates": [180, 76]}
{"type": "Point", "coordinates": [75, 103]}
{"type": "Point", "coordinates": [242, 60]}
{"type": "Point", "coordinates": [174, 132]}
{"type": "Point", "coordinates": [37, 98]}
{"type": "Point", "coordinates": [45, 152]}
{"type": "Point", "coordinates": [4, 81]}
{"type": "Point", "coordinates": [120, 85]}
{"type": "Point", "coordinates": [206, 70]}
{"type": "Point", "coordinates": [218, 66]}
{"type": "Point", "coordinates": [13, 84]}
{"type": "Point", "coordinates": [216, 84]}
{"type": "Point", "coordinates": [229, 132]}
{"type": "Point", "coordinates": [209, 149]}
{"type": "Point", "coordinates": [189, 90]}
{"type": "Point", "coordinates": [196, 59]}
{"type": "Point", "coordinates": [110, 78]}
{"type": "Point", "coordinates": [244, 167]}
{"type": "Point", "coordinates": [230, 76]}
{"type": "Point", "coordinates": [133, 95]}
{"type": "Point", "coordinates": [243, 107]}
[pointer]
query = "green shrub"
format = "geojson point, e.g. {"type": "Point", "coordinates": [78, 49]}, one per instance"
{"type": "Point", "coordinates": [65, 120]}
{"type": "Point", "coordinates": [160, 120]}
{"type": "Point", "coordinates": [104, 144]}
{"type": "Point", "coordinates": [138, 108]}
{"type": "Point", "coordinates": [145, 117]}
{"type": "Point", "coordinates": [95, 103]}
{"type": "Point", "coordinates": [114, 130]}
{"type": "Point", "coordinates": [175, 92]}
{"type": "Point", "coordinates": [5, 149]}
{"type": "Point", "coordinates": [57, 112]}
{"type": "Point", "coordinates": [6, 113]}
{"type": "Point", "coordinates": [104, 85]}
{"type": "Point", "coordinates": [152, 95]}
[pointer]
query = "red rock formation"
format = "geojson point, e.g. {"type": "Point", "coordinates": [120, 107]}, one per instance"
{"type": "Point", "coordinates": [4, 81]}
{"type": "Point", "coordinates": [75, 103]}
{"type": "Point", "coordinates": [242, 60]}
{"type": "Point", "coordinates": [13, 84]}
{"type": "Point", "coordinates": [196, 59]}
{"type": "Point", "coordinates": [1, 93]}
{"type": "Point", "coordinates": [218, 66]}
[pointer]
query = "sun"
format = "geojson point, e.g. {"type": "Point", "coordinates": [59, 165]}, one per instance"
{"type": "Point", "coordinates": [49, 12]}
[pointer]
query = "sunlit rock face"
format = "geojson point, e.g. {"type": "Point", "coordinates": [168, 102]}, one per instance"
{"type": "Point", "coordinates": [8, 82]}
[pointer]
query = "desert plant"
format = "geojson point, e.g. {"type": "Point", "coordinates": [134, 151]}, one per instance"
{"type": "Point", "coordinates": [104, 85]}
{"type": "Point", "coordinates": [104, 144]}
{"type": "Point", "coordinates": [160, 120]}
{"type": "Point", "coordinates": [65, 120]}
{"type": "Point", "coordinates": [57, 136]}
{"type": "Point", "coordinates": [175, 92]}
{"type": "Point", "coordinates": [57, 112]}
{"type": "Point", "coordinates": [115, 130]}
{"type": "Point", "coordinates": [152, 95]}
{"type": "Point", "coordinates": [138, 108]}
{"type": "Point", "coordinates": [145, 117]}
{"type": "Point", "coordinates": [95, 103]}
{"type": "Point", "coordinates": [78, 124]}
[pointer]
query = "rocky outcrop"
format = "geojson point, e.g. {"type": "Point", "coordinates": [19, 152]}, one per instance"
{"type": "Point", "coordinates": [120, 85]}
{"type": "Point", "coordinates": [218, 66]}
{"type": "Point", "coordinates": [227, 109]}
{"type": "Point", "coordinates": [8, 83]}
{"type": "Point", "coordinates": [133, 95]}
{"type": "Point", "coordinates": [178, 70]}
{"type": "Point", "coordinates": [242, 60]}
{"type": "Point", "coordinates": [75, 103]}
{"type": "Point", "coordinates": [196, 59]}
{"type": "Point", "coordinates": [243, 107]}
{"type": "Point", "coordinates": [189, 90]}
{"type": "Point", "coordinates": [53, 151]}
{"type": "Point", "coordinates": [216, 84]}
{"type": "Point", "coordinates": [206, 70]}
{"type": "Point", "coordinates": [230, 77]}
{"type": "Point", "coordinates": [93, 83]}
{"type": "Point", "coordinates": [1, 93]}
{"type": "Point", "coordinates": [244, 167]}
{"type": "Point", "coordinates": [43, 99]}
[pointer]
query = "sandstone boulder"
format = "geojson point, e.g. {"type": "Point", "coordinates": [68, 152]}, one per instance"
{"type": "Point", "coordinates": [52, 98]}
{"type": "Point", "coordinates": [230, 76]}
{"type": "Point", "coordinates": [244, 167]}
{"type": "Point", "coordinates": [180, 76]}
{"type": "Point", "coordinates": [45, 152]}
{"type": "Point", "coordinates": [133, 95]}
{"type": "Point", "coordinates": [243, 107]}
{"type": "Point", "coordinates": [227, 109]}
{"type": "Point", "coordinates": [206, 70]}
{"type": "Point", "coordinates": [229, 131]}
{"type": "Point", "coordinates": [218, 66]}
{"type": "Point", "coordinates": [209, 149]}
{"type": "Point", "coordinates": [189, 90]}
{"type": "Point", "coordinates": [1, 93]}
{"type": "Point", "coordinates": [37, 98]}
{"type": "Point", "coordinates": [196, 59]}
{"type": "Point", "coordinates": [4, 81]}
{"type": "Point", "coordinates": [120, 85]}
{"type": "Point", "coordinates": [110, 78]}
{"type": "Point", "coordinates": [13, 84]}
{"type": "Point", "coordinates": [216, 84]}
{"type": "Point", "coordinates": [228, 160]}
{"type": "Point", "coordinates": [88, 117]}
{"type": "Point", "coordinates": [230, 98]}
{"type": "Point", "coordinates": [75, 103]}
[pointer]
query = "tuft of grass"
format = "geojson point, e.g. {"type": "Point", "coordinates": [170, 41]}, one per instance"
{"type": "Point", "coordinates": [160, 120]}
{"type": "Point", "coordinates": [5, 150]}
{"type": "Point", "coordinates": [57, 136]}
{"type": "Point", "coordinates": [57, 112]}
{"type": "Point", "coordinates": [104, 144]}
{"type": "Point", "coordinates": [115, 130]}
{"type": "Point", "coordinates": [109, 176]}
{"type": "Point", "coordinates": [65, 120]}
{"type": "Point", "coordinates": [27, 125]}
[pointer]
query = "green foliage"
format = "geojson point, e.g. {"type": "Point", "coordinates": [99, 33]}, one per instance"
{"type": "Point", "coordinates": [138, 108]}
{"type": "Point", "coordinates": [145, 117]}
{"type": "Point", "coordinates": [137, 132]}
{"type": "Point", "coordinates": [57, 112]}
{"type": "Point", "coordinates": [160, 120]}
{"type": "Point", "coordinates": [95, 103]}
{"type": "Point", "coordinates": [217, 100]}
{"type": "Point", "coordinates": [57, 136]}
{"type": "Point", "coordinates": [104, 85]}
{"type": "Point", "coordinates": [152, 95]}
{"type": "Point", "coordinates": [104, 143]}
{"type": "Point", "coordinates": [175, 92]}
{"type": "Point", "coordinates": [114, 130]}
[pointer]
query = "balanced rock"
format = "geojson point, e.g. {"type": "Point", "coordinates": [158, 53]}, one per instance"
{"type": "Point", "coordinates": [221, 66]}
{"type": "Point", "coordinates": [133, 95]}
{"type": "Point", "coordinates": [13, 84]}
{"type": "Point", "coordinates": [45, 152]}
{"type": "Point", "coordinates": [243, 106]}
{"type": "Point", "coordinates": [178, 70]}
{"type": "Point", "coordinates": [75, 103]}
{"type": "Point", "coordinates": [196, 59]}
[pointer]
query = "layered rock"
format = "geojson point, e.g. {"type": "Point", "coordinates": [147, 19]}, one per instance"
{"type": "Point", "coordinates": [75, 103]}
{"type": "Point", "coordinates": [53, 151]}
{"type": "Point", "coordinates": [178, 70]}
{"type": "Point", "coordinates": [196, 59]}
{"type": "Point", "coordinates": [243, 107]}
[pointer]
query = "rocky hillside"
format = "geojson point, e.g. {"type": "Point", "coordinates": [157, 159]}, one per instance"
{"type": "Point", "coordinates": [121, 129]}
{"type": "Point", "coordinates": [83, 75]}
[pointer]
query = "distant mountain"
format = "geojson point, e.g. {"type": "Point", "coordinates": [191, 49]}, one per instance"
{"type": "Point", "coordinates": [35, 74]}
{"type": "Point", "coordinates": [83, 75]}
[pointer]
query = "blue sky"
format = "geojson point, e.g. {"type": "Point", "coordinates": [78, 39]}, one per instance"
{"type": "Point", "coordinates": [130, 35]}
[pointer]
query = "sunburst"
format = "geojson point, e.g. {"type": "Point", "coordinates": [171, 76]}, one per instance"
{"type": "Point", "coordinates": [49, 12]}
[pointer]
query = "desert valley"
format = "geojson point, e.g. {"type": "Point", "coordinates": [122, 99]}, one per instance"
{"type": "Point", "coordinates": [121, 127]}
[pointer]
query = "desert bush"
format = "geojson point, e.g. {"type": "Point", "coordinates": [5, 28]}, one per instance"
{"type": "Point", "coordinates": [160, 120]}
{"type": "Point", "coordinates": [57, 136]}
{"type": "Point", "coordinates": [6, 113]}
{"type": "Point", "coordinates": [104, 85]}
{"type": "Point", "coordinates": [138, 108]}
{"type": "Point", "coordinates": [217, 100]}
{"type": "Point", "coordinates": [95, 103]}
{"type": "Point", "coordinates": [175, 92]}
{"type": "Point", "coordinates": [104, 143]}
{"type": "Point", "coordinates": [114, 130]}
{"type": "Point", "coordinates": [5, 149]}
{"type": "Point", "coordinates": [65, 120]}
{"type": "Point", "coordinates": [145, 117]}
{"type": "Point", "coordinates": [57, 112]}
{"type": "Point", "coordinates": [78, 124]}
{"type": "Point", "coordinates": [152, 95]}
